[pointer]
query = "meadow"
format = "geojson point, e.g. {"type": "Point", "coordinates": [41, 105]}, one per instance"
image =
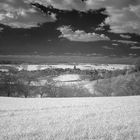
{"type": "Point", "coordinates": [98, 118]}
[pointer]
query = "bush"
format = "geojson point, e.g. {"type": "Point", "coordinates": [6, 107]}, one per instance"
{"type": "Point", "coordinates": [104, 87]}
{"type": "Point", "coordinates": [137, 64]}
{"type": "Point", "coordinates": [120, 86]}
{"type": "Point", "coordinates": [72, 91]}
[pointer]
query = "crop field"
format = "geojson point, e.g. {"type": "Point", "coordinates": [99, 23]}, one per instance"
{"type": "Point", "coordinates": [99, 118]}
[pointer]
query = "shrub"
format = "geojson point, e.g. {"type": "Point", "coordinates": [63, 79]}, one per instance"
{"type": "Point", "coordinates": [72, 91]}
{"type": "Point", "coordinates": [104, 87]}
{"type": "Point", "coordinates": [137, 64]}
{"type": "Point", "coordinates": [120, 86]}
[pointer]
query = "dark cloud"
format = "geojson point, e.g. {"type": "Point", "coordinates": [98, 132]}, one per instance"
{"type": "Point", "coordinates": [86, 21]}
{"type": "Point", "coordinates": [123, 14]}
{"type": "Point", "coordinates": [87, 27]}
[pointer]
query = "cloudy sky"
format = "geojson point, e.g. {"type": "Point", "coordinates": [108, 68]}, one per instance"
{"type": "Point", "coordinates": [70, 27]}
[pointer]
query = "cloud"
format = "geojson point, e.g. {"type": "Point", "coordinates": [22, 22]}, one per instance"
{"type": "Point", "coordinates": [94, 54]}
{"type": "Point", "coordinates": [19, 14]}
{"type": "Point", "coordinates": [125, 20]}
{"type": "Point", "coordinates": [80, 35]}
{"type": "Point", "coordinates": [135, 47]}
{"type": "Point", "coordinates": [125, 36]}
{"type": "Point", "coordinates": [84, 5]}
{"type": "Point", "coordinates": [63, 4]}
{"type": "Point", "coordinates": [1, 29]}
{"type": "Point", "coordinates": [124, 15]}
{"type": "Point", "coordinates": [100, 28]}
{"type": "Point", "coordinates": [126, 41]}
{"type": "Point", "coordinates": [115, 44]}
{"type": "Point", "coordinates": [132, 54]}
{"type": "Point", "coordinates": [108, 48]}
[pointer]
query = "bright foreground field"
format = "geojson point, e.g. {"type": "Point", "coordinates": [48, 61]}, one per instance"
{"type": "Point", "coordinates": [108, 118]}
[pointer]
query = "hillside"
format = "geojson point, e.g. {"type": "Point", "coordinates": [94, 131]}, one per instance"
{"type": "Point", "coordinates": [122, 85]}
{"type": "Point", "coordinates": [104, 118]}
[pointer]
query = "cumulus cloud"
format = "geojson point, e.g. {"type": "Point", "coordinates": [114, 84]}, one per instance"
{"type": "Point", "coordinates": [63, 4]}
{"type": "Point", "coordinates": [126, 41]}
{"type": "Point", "coordinates": [115, 44]}
{"type": "Point", "coordinates": [1, 29]}
{"type": "Point", "coordinates": [100, 28]}
{"type": "Point", "coordinates": [124, 20]}
{"type": "Point", "coordinates": [83, 5]}
{"type": "Point", "coordinates": [108, 48]}
{"type": "Point", "coordinates": [80, 35]}
{"type": "Point", "coordinates": [132, 54]}
{"type": "Point", "coordinates": [135, 47]}
{"type": "Point", "coordinates": [125, 36]}
{"type": "Point", "coordinates": [19, 14]}
{"type": "Point", "coordinates": [124, 15]}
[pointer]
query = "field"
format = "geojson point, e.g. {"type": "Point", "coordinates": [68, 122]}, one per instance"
{"type": "Point", "coordinates": [102, 118]}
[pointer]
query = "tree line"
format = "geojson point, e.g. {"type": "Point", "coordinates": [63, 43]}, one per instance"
{"type": "Point", "coordinates": [28, 83]}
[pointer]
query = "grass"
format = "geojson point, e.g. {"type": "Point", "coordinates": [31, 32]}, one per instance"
{"type": "Point", "coordinates": [104, 118]}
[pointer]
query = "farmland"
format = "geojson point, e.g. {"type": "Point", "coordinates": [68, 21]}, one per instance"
{"type": "Point", "coordinates": [102, 118]}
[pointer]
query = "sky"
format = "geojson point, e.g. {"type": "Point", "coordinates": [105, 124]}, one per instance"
{"type": "Point", "coordinates": [70, 27]}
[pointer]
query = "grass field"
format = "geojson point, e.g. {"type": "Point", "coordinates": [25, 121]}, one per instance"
{"type": "Point", "coordinates": [102, 118]}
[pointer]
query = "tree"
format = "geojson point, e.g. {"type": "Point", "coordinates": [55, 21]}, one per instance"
{"type": "Point", "coordinates": [49, 89]}
{"type": "Point", "coordinates": [137, 64]}
{"type": "Point", "coordinates": [25, 81]}
{"type": "Point", "coordinates": [8, 81]}
{"type": "Point", "coordinates": [22, 89]}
